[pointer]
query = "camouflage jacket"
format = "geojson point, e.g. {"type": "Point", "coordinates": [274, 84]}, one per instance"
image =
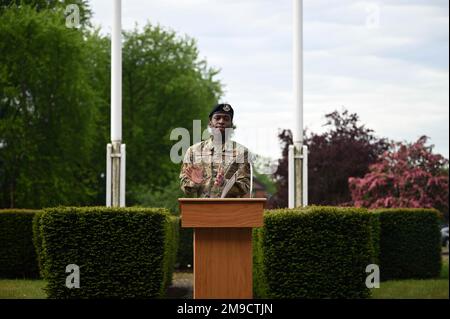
{"type": "Point", "coordinates": [232, 157]}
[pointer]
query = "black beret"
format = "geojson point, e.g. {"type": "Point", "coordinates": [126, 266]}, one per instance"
{"type": "Point", "coordinates": [222, 108]}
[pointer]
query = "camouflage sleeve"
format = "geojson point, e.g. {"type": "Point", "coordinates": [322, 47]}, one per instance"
{"type": "Point", "coordinates": [242, 184]}
{"type": "Point", "coordinates": [187, 186]}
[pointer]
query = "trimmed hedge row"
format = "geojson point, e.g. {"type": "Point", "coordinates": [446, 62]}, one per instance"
{"type": "Point", "coordinates": [17, 255]}
{"type": "Point", "coordinates": [317, 252]}
{"type": "Point", "coordinates": [37, 242]}
{"type": "Point", "coordinates": [410, 243]}
{"type": "Point", "coordinates": [121, 252]}
{"type": "Point", "coordinates": [185, 248]}
{"type": "Point", "coordinates": [260, 287]}
{"type": "Point", "coordinates": [172, 244]}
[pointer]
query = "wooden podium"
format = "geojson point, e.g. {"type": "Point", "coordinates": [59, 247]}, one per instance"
{"type": "Point", "coordinates": [223, 258]}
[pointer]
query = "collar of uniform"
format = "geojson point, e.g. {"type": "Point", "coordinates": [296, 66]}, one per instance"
{"type": "Point", "coordinates": [210, 145]}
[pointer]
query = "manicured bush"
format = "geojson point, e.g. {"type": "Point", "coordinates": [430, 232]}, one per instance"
{"type": "Point", "coordinates": [260, 289]}
{"type": "Point", "coordinates": [376, 233]}
{"type": "Point", "coordinates": [318, 252]}
{"type": "Point", "coordinates": [185, 249]}
{"type": "Point", "coordinates": [172, 248]}
{"type": "Point", "coordinates": [409, 243]}
{"type": "Point", "coordinates": [37, 241]}
{"type": "Point", "coordinates": [17, 254]}
{"type": "Point", "coordinates": [121, 252]}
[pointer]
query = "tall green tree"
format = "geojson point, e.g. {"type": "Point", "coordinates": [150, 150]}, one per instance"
{"type": "Point", "coordinates": [46, 110]}
{"type": "Point", "coordinates": [99, 61]}
{"type": "Point", "coordinates": [165, 86]}
{"type": "Point", "coordinates": [53, 5]}
{"type": "Point", "coordinates": [55, 107]}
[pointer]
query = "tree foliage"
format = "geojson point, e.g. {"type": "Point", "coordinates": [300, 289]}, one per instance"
{"type": "Point", "coordinates": [165, 86]}
{"type": "Point", "coordinates": [407, 175]}
{"type": "Point", "coordinates": [346, 149]}
{"type": "Point", "coordinates": [50, 5]}
{"type": "Point", "coordinates": [281, 197]}
{"type": "Point", "coordinates": [46, 111]}
{"type": "Point", "coordinates": [55, 106]}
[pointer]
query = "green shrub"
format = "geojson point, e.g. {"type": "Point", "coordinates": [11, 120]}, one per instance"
{"type": "Point", "coordinates": [168, 198]}
{"type": "Point", "coordinates": [121, 252]}
{"type": "Point", "coordinates": [376, 233]}
{"type": "Point", "coordinates": [172, 248]}
{"type": "Point", "coordinates": [185, 250]}
{"type": "Point", "coordinates": [37, 241]}
{"type": "Point", "coordinates": [318, 252]}
{"type": "Point", "coordinates": [260, 288]}
{"type": "Point", "coordinates": [17, 254]}
{"type": "Point", "coordinates": [409, 244]}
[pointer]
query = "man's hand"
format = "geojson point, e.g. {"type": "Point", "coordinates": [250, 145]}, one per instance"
{"type": "Point", "coordinates": [219, 177]}
{"type": "Point", "coordinates": [195, 174]}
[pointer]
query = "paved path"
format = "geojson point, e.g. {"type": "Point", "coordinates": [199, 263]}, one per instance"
{"type": "Point", "coordinates": [181, 288]}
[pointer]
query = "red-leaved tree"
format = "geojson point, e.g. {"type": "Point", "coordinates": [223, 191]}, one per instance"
{"type": "Point", "coordinates": [346, 149]}
{"type": "Point", "coordinates": [407, 175]}
{"type": "Point", "coordinates": [280, 198]}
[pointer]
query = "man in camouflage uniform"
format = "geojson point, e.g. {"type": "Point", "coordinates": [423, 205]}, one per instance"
{"type": "Point", "coordinates": [210, 164]}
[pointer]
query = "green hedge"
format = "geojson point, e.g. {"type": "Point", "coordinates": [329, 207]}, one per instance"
{"type": "Point", "coordinates": [185, 249]}
{"type": "Point", "coordinates": [121, 252]}
{"type": "Point", "coordinates": [17, 255]}
{"type": "Point", "coordinates": [37, 241]}
{"type": "Point", "coordinates": [376, 237]}
{"type": "Point", "coordinates": [318, 252]}
{"type": "Point", "coordinates": [410, 243]}
{"type": "Point", "coordinates": [171, 248]}
{"type": "Point", "coordinates": [260, 288]}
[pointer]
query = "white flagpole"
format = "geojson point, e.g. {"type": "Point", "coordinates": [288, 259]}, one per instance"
{"type": "Point", "coordinates": [298, 71]}
{"type": "Point", "coordinates": [116, 74]}
{"type": "Point", "coordinates": [116, 178]}
{"type": "Point", "coordinates": [297, 181]}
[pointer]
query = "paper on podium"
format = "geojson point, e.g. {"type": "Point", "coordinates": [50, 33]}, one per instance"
{"type": "Point", "coordinates": [229, 184]}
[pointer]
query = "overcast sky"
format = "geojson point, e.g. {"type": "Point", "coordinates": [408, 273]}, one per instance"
{"type": "Point", "coordinates": [385, 60]}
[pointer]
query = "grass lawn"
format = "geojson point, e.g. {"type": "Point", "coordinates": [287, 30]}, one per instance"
{"type": "Point", "coordinates": [33, 289]}
{"type": "Point", "coordinates": [22, 289]}
{"type": "Point", "coordinates": [415, 289]}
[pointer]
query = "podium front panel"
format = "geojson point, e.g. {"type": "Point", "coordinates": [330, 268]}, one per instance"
{"type": "Point", "coordinates": [223, 263]}
{"type": "Point", "coordinates": [223, 256]}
